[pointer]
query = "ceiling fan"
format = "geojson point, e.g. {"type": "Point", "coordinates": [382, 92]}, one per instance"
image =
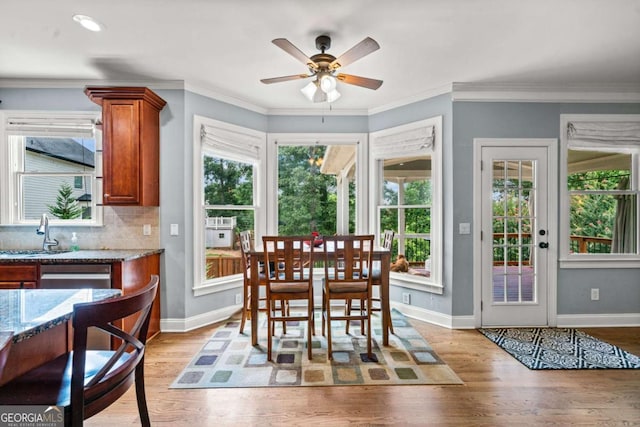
{"type": "Point", "coordinates": [324, 67]}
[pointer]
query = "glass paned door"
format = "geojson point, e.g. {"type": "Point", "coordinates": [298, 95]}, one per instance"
{"type": "Point", "coordinates": [514, 243]}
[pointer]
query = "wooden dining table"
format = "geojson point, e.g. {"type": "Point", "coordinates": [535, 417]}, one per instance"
{"type": "Point", "coordinates": [40, 322]}
{"type": "Point", "coordinates": [379, 254]}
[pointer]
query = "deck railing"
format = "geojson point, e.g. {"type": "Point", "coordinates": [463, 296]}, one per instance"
{"type": "Point", "coordinates": [219, 266]}
{"type": "Point", "coordinates": [579, 244]}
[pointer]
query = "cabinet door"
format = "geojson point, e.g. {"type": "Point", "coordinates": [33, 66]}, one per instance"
{"type": "Point", "coordinates": [121, 152]}
{"type": "Point", "coordinates": [16, 276]}
{"type": "Point", "coordinates": [18, 285]}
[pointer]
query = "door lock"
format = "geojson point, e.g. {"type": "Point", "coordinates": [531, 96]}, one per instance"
{"type": "Point", "coordinates": [543, 245]}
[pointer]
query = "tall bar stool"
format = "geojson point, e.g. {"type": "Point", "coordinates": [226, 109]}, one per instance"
{"type": "Point", "coordinates": [347, 262]}
{"type": "Point", "coordinates": [289, 276]}
{"type": "Point", "coordinates": [387, 243]}
{"type": "Point", "coordinates": [84, 382]}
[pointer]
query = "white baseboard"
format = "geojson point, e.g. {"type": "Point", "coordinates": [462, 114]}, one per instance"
{"type": "Point", "coordinates": [598, 320]}
{"type": "Point", "coordinates": [195, 322]}
{"type": "Point", "coordinates": [424, 315]}
{"type": "Point", "coordinates": [429, 316]}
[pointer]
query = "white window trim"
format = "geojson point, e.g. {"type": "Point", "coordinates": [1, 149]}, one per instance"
{"type": "Point", "coordinates": [434, 283]}
{"type": "Point", "coordinates": [362, 148]}
{"type": "Point", "coordinates": [202, 286]}
{"type": "Point", "coordinates": [55, 120]}
{"type": "Point", "coordinates": [568, 260]}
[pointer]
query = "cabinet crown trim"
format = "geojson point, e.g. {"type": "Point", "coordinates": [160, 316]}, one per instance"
{"type": "Point", "coordinates": [98, 93]}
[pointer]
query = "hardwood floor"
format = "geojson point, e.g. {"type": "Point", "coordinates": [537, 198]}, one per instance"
{"type": "Point", "coordinates": [498, 391]}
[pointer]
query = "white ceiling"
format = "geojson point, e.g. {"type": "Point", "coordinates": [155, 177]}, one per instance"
{"type": "Point", "coordinates": [224, 47]}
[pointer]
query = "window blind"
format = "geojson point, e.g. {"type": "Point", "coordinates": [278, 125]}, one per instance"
{"type": "Point", "coordinates": [403, 144]}
{"type": "Point", "coordinates": [603, 134]}
{"type": "Point", "coordinates": [231, 144]}
{"type": "Point", "coordinates": [59, 126]}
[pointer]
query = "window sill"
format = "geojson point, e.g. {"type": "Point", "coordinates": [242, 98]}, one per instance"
{"type": "Point", "coordinates": [596, 261]}
{"type": "Point", "coordinates": [418, 283]}
{"type": "Point", "coordinates": [220, 285]}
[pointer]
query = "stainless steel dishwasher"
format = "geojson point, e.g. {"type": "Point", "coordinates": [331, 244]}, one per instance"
{"type": "Point", "coordinates": [79, 276]}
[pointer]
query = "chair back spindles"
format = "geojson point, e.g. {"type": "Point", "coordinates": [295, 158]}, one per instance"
{"type": "Point", "coordinates": [289, 276]}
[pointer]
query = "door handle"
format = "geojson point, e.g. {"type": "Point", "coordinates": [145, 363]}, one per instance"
{"type": "Point", "coordinates": [543, 245]}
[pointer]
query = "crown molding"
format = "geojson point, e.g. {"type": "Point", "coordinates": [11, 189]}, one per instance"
{"type": "Point", "coordinates": [219, 95]}
{"type": "Point", "coordinates": [421, 96]}
{"type": "Point", "coordinates": [81, 83]}
{"type": "Point", "coordinates": [528, 92]}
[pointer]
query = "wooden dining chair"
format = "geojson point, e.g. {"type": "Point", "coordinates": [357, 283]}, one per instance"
{"type": "Point", "coordinates": [246, 247]}
{"type": "Point", "coordinates": [387, 243]}
{"type": "Point", "coordinates": [289, 276]}
{"type": "Point", "coordinates": [376, 301]}
{"type": "Point", "coordinates": [85, 382]}
{"type": "Point", "coordinates": [347, 262]}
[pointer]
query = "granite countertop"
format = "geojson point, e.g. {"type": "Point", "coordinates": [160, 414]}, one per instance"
{"type": "Point", "coordinates": [28, 312]}
{"type": "Point", "coordinates": [97, 256]}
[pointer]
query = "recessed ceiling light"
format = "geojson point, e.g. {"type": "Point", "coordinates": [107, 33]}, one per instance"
{"type": "Point", "coordinates": [88, 22]}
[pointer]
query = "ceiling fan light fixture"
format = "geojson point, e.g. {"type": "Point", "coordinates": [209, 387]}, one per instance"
{"type": "Point", "coordinates": [333, 95]}
{"type": "Point", "coordinates": [328, 83]}
{"type": "Point", "coordinates": [88, 22]}
{"type": "Point", "coordinates": [310, 90]}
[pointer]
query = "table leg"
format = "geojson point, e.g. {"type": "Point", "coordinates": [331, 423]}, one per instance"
{"type": "Point", "coordinates": [255, 294]}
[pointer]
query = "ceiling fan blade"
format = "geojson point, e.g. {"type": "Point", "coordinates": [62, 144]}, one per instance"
{"type": "Point", "coordinates": [285, 78]}
{"type": "Point", "coordinates": [288, 47]}
{"type": "Point", "coordinates": [359, 81]}
{"type": "Point", "coordinates": [363, 48]}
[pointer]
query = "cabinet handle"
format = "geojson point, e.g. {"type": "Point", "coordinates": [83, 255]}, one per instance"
{"type": "Point", "coordinates": [106, 195]}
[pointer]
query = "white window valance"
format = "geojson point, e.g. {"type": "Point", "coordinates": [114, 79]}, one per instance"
{"type": "Point", "coordinates": [602, 134]}
{"type": "Point", "coordinates": [231, 144]}
{"type": "Point", "coordinates": [403, 144]}
{"type": "Point", "coordinates": [58, 126]}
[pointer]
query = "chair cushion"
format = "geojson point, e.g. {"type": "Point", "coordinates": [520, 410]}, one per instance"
{"type": "Point", "coordinates": [50, 384]}
{"type": "Point", "coordinates": [344, 287]}
{"type": "Point", "coordinates": [290, 287]}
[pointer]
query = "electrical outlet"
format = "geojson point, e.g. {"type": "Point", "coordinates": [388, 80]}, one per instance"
{"type": "Point", "coordinates": [406, 298]}
{"type": "Point", "coordinates": [146, 229]}
{"type": "Point", "coordinates": [595, 294]}
{"type": "Point", "coordinates": [238, 299]}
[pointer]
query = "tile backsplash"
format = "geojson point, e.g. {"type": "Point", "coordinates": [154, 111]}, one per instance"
{"type": "Point", "coordinates": [122, 230]}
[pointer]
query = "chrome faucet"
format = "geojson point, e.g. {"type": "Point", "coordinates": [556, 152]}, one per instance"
{"type": "Point", "coordinates": [44, 229]}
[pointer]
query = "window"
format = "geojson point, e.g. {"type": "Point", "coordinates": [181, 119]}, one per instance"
{"type": "Point", "coordinates": [308, 189]}
{"type": "Point", "coordinates": [600, 195]}
{"type": "Point", "coordinates": [407, 196]}
{"type": "Point", "coordinates": [52, 162]}
{"type": "Point", "coordinates": [317, 185]}
{"type": "Point", "coordinates": [227, 185]}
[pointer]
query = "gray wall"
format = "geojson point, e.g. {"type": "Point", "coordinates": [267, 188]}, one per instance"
{"type": "Point", "coordinates": [619, 288]}
{"type": "Point", "coordinates": [437, 106]}
{"type": "Point", "coordinates": [462, 121]}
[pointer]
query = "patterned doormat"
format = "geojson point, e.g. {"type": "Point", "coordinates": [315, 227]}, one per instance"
{"type": "Point", "coordinates": [557, 348]}
{"type": "Point", "coordinates": [229, 360]}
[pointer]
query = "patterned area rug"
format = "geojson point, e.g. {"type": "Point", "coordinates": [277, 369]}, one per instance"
{"type": "Point", "coordinates": [228, 359]}
{"type": "Point", "coordinates": [557, 348]}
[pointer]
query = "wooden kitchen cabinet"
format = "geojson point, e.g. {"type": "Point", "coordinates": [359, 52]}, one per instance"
{"type": "Point", "coordinates": [17, 276]}
{"type": "Point", "coordinates": [134, 274]}
{"type": "Point", "coordinates": [130, 144]}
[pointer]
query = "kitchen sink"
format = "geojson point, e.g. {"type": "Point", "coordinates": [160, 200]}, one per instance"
{"type": "Point", "coordinates": [20, 253]}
